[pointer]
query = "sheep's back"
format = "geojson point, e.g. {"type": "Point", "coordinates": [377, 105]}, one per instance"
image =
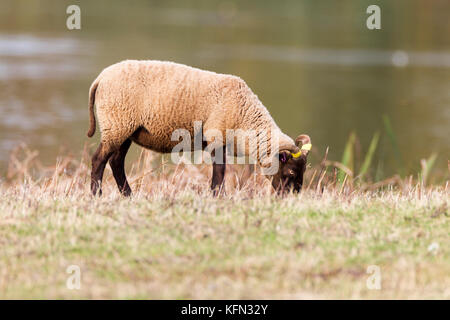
{"type": "Point", "coordinates": [158, 96]}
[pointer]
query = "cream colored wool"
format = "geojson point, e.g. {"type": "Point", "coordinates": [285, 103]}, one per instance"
{"type": "Point", "coordinates": [148, 100]}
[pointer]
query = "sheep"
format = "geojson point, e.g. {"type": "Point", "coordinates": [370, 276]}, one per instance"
{"type": "Point", "coordinates": [145, 101]}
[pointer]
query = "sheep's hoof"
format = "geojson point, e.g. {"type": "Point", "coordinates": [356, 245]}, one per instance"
{"type": "Point", "coordinates": [217, 191]}
{"type": "Point", "coordinates": [96, 193]}
{"type": "Point", "coordinates": [126, 193]}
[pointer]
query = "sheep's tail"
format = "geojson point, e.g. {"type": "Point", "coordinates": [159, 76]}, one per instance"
{"type": "Point", "coordinates": [92, 91]}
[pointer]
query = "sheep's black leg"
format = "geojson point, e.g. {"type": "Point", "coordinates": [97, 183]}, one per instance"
{"type": "Point", "coordinates": [218, 171]}
{"type": "Point", "coordinates": [99, 160]}
{"type": "Point", "coordinates": [117, 163]}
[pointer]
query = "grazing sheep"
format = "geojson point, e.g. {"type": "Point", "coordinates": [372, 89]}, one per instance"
{"type": "Point", "coordinates": [145, 101]}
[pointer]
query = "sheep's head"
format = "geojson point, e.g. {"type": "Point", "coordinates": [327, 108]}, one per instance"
{"type": "Point", "coordinates": [292, 166]}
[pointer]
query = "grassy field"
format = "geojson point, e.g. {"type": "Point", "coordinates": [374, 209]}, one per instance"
{"type": "Point", "coordinates": [173, 240]}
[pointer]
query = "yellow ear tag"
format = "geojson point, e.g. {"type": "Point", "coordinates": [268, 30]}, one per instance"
{"type": "Point", "coordinates": [296, 155]}
{"type": "Point", "coordinates": [307, 146]}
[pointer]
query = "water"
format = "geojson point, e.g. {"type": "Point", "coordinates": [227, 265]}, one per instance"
{"type": "Point", "coordinates": [314, 64]}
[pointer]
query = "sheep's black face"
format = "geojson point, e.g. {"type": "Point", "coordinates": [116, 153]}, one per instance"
{"type": "Point", "coordinates": [290, 173]}
{"type": "Point", "coordinates": [292, 166]}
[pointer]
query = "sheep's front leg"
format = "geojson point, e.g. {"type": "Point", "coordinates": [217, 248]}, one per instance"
{"type": "Point", "coordinates": [218, 174]}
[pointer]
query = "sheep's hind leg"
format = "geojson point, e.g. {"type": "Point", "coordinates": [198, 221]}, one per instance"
{"type": "Point", "coordinates": [218, 171]}
{"type": "Point", "coordinates": [117, 163]}
{"type": "Point", "coordinates": [99, 160]}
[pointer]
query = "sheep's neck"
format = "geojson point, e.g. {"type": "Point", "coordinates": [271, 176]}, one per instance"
{"type": "Point", "coordinates": [262, 131]}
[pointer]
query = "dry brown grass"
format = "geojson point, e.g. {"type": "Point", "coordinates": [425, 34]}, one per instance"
{"type": "Point", "coordinates": [154, 176]}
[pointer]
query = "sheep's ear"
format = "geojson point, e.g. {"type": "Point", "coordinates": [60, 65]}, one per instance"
{"type": "Point", "coordinates": [284, 156]}
{"type": "Point", "coordinates": [302, 140]}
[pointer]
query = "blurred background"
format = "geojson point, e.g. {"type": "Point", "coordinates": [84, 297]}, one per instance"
{"type": "Point", "coordinates": [314, 65]}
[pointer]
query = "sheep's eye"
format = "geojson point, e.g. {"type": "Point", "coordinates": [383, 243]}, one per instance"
{"type": "Point", "coordinates": [291, 172]}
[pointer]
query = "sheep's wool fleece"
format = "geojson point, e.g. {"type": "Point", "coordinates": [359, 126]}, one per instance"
{"type": "Point", "coordinates": [148, 100]}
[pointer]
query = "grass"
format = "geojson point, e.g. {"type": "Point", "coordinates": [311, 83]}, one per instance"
{"type": "Point", "coordinates": [174, 240]}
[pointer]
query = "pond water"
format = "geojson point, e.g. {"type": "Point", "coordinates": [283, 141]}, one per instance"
{"type": "Point", "coordinates": [314, 64]}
